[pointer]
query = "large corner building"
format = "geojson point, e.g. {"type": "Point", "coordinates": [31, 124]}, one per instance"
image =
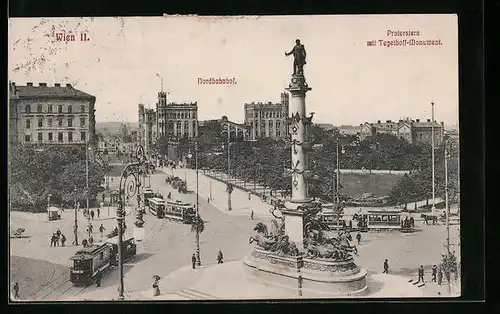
{"type": "Point", "coordinates": [267, 120]}
{"type": "Point", "coordinates": [59, 115]}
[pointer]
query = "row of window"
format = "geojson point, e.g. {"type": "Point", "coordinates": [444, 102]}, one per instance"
{"type": "Point", "coordinates": [178, 124]}
{"type": "Point", "coordinates": [60, 137]}
{"type": "Point", "coordinates": [59, 122]}
{"type": "Point", "coordinates": [179, 115]}
{"type": "Point", "coordinates": [273, 114]}
{"type": "Point", "coordinates": [50, 108]}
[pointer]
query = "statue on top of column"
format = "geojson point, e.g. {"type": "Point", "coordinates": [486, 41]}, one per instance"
{"type": "Point", "coordinates": [299, 54]}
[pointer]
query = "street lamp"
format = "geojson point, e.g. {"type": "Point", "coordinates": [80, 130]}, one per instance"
{"type": "Point", "coordinates": [198, 260]}
{"type": "Point", "coordinates": [131, 170]}
{"type": "Point", "coordinates": [446, 156]}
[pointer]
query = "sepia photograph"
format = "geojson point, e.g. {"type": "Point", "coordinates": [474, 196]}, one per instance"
{"type": "Point", "coordinates": [192, 158]}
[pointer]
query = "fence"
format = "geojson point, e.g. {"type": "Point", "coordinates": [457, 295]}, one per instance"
{"type": "Point", "coordinates": [369, 171]}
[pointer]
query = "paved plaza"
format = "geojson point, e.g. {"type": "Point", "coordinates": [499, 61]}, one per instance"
{"type": "Point", "coordinates": [43, 271]}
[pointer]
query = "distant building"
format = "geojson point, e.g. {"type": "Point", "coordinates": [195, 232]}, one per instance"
{"type": "Point", "coordinates": [237, 131]}
{"type": "Point", "coordinates": [170, 121]}
{"type": "Point", "coordinates": [414, 131]}
{"type": "Point", "coordinates": [267, 120]}
{"type": "Point", "coordinates": [59, 115]}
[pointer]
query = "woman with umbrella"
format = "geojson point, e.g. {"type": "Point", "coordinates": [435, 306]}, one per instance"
{"type": "Point", "coordinates": [156, 287]}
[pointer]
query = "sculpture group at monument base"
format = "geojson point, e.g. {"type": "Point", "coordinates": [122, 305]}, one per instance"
{"type": "Point", "coordinates": [307, 277]}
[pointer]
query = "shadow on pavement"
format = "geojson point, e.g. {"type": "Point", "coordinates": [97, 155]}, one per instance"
{"type": "Point", "coordinates": [140, 257]}
{"type": "Point", "coordinates": [374, 286]}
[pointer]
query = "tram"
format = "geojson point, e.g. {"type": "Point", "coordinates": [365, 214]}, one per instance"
{"type": "Point", "coordinates": [87, 262]}
{"type": "Point", "coordinates": [148, 194]}
{"type": "Point", "coordinates": [156, 207]}
{"type": "Point", "coordinates": [129, 249]}
{"type": "Point", "coordinates": [180, 211]}
{"type": "Point", "coordinates": [382, 218]}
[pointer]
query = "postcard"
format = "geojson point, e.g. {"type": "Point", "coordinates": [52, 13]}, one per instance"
{"type": "Point", "coordinates": [233, 158]}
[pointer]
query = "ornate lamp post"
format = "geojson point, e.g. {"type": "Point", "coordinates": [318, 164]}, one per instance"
{"type": "Point", "coordinates": [128, 189]}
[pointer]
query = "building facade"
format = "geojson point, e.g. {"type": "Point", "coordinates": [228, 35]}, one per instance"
{"type": "Point", "coordinates": [414, 131]}
{"type": "Point", "coordinates": [59, 115]}
{"type": "Point", "coordinates": [169, 121]}
{"type": "Point", "coordinates": [267, 119]}
{"type": "Point", "coordinates": [237, 131]}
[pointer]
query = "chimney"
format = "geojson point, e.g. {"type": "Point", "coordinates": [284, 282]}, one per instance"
{"type": "Point", "coordinates": [418, 120]}
{"type": "Point", "coordinates": [42, 84]}
{"type": "Point", "coordinates": [57, 85]}
{"type": "Point", "coordinates": [68, 85]}
{"type": "Point", "coordinates": [29, 84]}
{"type": "Point", "coordinates": [428, 120]}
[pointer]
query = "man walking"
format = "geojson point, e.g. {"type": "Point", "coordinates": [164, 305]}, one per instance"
{"type": "Point", "coordinates": [63, 239]}
{"type": "Point", "coordinates": [251, 214]}
{"type": "Point", "coordinates": [98, 277]}
{"type": "Point", "coordinates": [421, 274]}
{"type": "Point", "coordinates": [434, 273]}
{"type": "Point", "coordinates": [193, 260]}
{"type": "Point", "coordinates": [220, 257]}
{"type": "Point", "coordinates": [358, 237]}
{"type": "Point", "coordinates": [98, 212]}
{"type": "Point", "coordinates": [92, 214]}
{"type": "Point", "coordinates": [101, 230]}
{"type": "Point", "coordinates": [386, 267]}
{"type": "Point", "coordinates": [16, 290]}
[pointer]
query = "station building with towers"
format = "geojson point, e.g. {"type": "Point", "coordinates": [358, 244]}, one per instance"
{"type": "Point", "coordinates": [267, 120]}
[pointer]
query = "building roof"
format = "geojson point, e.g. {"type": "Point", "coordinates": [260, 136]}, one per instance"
{"type": "Point", "coordinates": [425, 124]}
{"type": "Point", "coordinates": [42, 90]}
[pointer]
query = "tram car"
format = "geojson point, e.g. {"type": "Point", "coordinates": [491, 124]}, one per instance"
{"type": "Point", "coordinates": [87, 262]}
{"type": "Point", "coordinates": [382, 219]}
{"type": "Point", "coordinates": [180, 211]}
{"type": "Point", "coordinates": [157, 207]}
{"type": "Point", "coordinates": [148, 193]}
{"type": "Point", "coordinates": [129, 249]}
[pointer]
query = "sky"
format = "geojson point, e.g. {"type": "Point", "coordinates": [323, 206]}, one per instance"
{"type": "Point", "coordinates": [123, 59]}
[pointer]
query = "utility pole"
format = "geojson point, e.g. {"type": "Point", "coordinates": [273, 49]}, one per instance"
{"type": "Point", "coordinates": [433, 171]}
{"type": "Point", "coordinates": [76, 219]}
{"type": "Point", "coordinates": [229, 191]}
{"type": "Point", "coordinates": [337, 176]}
{"type": "Point", "coordinates": [447, 211]}
{"type": "Point", "coordinates": [87, 183]}
{"type": "Point", "coordinates": [198, 260]}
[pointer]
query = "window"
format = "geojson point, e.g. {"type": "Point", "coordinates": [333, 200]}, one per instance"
{"type": "Point", "coordinates": [194, 115]}
{"type": "Point", "coordinates": [83, 136]}
{"type": "Point", "coordinates": [50, 136]}
{"type": "Point", "coordinates": [82, 121]}
{"type": "Point", "coordinates": [70, 109]}
{"type": "Point", "coordinates": [60, 108]}
{"type": "Point", "coordinates": [50, 109]}
{"type": "Point", "coordinates": [82, 108]}
{"type": "Point", "coordinates": [70, 136]}
{"type": "Point", "coordinates": [50, 122]}
{"type": "Point", "coordinates": [70, 122]}
{"type": "Point", "coordinates": [27, 108]}
{"type": "Point", "coordinates": [39, 108]}
{"type": "Point", "coordinates": [59, 137]}
{"type": "Point", "coordinates": [27, 138]}
{"type": "Point", "coordinates": [40, 122]}
{"type": "Point", "coordinates": [28, 123]}
{"type": "Point", "coordinates": [60, 122]}
{"type": "Point", "coordinates": [40, 137]}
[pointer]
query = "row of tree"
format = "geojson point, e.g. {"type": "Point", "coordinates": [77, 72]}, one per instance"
{"type": "Point", "coordinates": [36, 173]}
{"type": "Point", "coordinates": [264, 161]}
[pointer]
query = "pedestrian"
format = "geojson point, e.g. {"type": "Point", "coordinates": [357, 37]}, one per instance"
{"type": "Point", "coordinates": [251, 214]}
{"type": "Point", "coordinates": [16, 290]}
{"type": "Point", "coordinates": [421, 274]}
{"type": "Point", "coordinates": [350, 224]}
{"type": "Point", "coordinates": [101, 230]}
{"type": "Point", "coordinates": [91, 228]}
{"type": "Point", "coordinates": [91, 240]}
{"type": "Point", "coordinates": [63, 239]}
{"type": "Point", "coordinates": [58, 233]}
{"type": "Point", "coordinates": [53, 240]}
{"type": "Point", "coordinates": [169, 196]}
{"type": "Point", "coordinates": [439, 275]}
{"type": "Point", "coordinates": [193, 260]}
{"type": "Point", "coordinates": [92, 214]}
{"type": "Point", "coordinates": [98, 212]}
{"type": "Point", "coordinates": [98, 277]}
{"type": "Point", "coordinates": [85, 242]}
{"type": "Point", "coordinates": [249, 195]}
{"type": "Point", "coordinates": [358, 237]}
{"type": "Point", "coordinates": [156, 287]}
{"type": "Point", "coordinates": [220, 257]}
{"type": "Point", "coordinates": [434, 273]}
{"type": "Point", "coordinates": [386, 267]}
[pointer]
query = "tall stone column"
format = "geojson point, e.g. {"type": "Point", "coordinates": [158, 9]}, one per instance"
{"type": "Point", "coordinates": [299, 171]}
